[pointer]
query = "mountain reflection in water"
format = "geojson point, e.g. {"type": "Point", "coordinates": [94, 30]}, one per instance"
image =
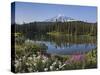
{"type": "Point", "coordinates": [65, 45]}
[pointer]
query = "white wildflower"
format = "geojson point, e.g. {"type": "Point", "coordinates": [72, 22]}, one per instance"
{"type": "Point", "coordinates": [27, 64]}
{"type": "Point", "coordinates": [62, 66]}
{"type": "Point", "coordinates": [54, 63]}
{"type": "Point", "coordinates": [45, 69]}
{"type": "Point", "coordinates": [57, 69]}
{"type": "Point", "coordinates": [51, 67]}
{"type": "Point", "coordinates": [20, 59]}
{"type": "Point", "coordinates": [59, 63]}
{"type": "Point", "coordinates": [34, 58]}
{"type": "Point", "coordinates": [34, 55]}
{"type": "Point", "coordinates": [38, 57]}
{"type": "Point", "coordinates": [44, 61]}
{"type": "Point", "coordinates": [16, 63]}
{"type": "Point", "coordinates": [29, 58]}
{"type": "Point", "coordinates": [35, 64]}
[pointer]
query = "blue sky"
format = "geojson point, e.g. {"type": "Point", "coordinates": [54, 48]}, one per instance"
{"type": "Point", "coordinates": [30, 12]}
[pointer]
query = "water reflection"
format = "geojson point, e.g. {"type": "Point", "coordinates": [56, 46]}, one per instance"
{"type": "Point", "coordinates": [62, 45]}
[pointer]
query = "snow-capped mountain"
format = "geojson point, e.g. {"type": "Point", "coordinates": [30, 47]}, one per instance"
{"type": "Point", "coordinates": [60, 18]}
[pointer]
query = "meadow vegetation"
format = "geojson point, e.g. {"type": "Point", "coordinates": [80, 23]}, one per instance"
{"type": "Point", "coordinates": [32, 57]}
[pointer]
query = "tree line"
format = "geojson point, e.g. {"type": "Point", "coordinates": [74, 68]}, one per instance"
{"type": "Point", "coordinates": [73, 27]}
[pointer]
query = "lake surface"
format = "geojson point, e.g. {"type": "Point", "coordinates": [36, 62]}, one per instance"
{"type": "Point", "coordinates": [65, 45]}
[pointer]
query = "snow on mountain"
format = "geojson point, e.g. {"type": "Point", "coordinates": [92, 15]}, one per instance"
{"type": "Point", "coordinates": [60, 18]}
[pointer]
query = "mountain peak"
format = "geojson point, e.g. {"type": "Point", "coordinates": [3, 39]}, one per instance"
{"type": "Point", "coordinates": [60, 18]}
{"type": "Point", "coordinates": [60, 15]}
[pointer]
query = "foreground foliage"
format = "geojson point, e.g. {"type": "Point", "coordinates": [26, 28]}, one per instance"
{"type": "Point", "coordinates": [32, 57]}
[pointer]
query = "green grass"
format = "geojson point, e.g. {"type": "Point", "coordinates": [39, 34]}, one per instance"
{"type": "Point", "coordinates": [55, 33]}
{"type": "Point", "coordinates": [17, 34]}
{"type": "Point", "coordinates": [66, 34]}
{"type": "Point", "coordinates": [58, 34]}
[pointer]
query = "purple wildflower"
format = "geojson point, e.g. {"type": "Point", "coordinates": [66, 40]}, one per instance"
{"type": "Point", "coordinates": [77, 57]}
